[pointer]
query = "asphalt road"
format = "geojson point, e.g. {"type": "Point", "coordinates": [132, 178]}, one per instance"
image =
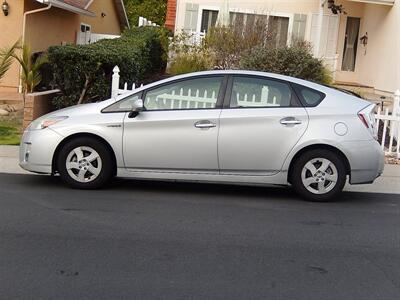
{"type": "Point", "coordinates": [152, 240]}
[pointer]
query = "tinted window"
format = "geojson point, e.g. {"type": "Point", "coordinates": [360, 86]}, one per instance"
{"type": "Point", "coordinates": [196, 93]}
{"type": "Point", "coordinates": [308, 96]}
{"type": "Point", "coordinates": [123, 105]}
{"type": "Point", "coordinates": [208, 19]}
{"type": "Point", "coordinates": [259, 92]}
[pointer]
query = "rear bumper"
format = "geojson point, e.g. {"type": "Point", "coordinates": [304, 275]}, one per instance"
{"type": "Point", "coordinates": [366, 160]}
{"type": "Point", "coordinates": [37, 149]}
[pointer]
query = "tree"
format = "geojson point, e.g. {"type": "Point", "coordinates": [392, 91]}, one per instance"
{"type": "Point", "coordinates": [30, 75]}
{"type": "Point", "coordinates": [6, 58]}
{"type": "Point", "coordinates": [154, 10]}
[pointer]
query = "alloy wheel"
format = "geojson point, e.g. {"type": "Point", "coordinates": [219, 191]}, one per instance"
{"type": "Point", "coordinates": [319, 175]}
{"type": "Point", "coordinates": [83, 164]}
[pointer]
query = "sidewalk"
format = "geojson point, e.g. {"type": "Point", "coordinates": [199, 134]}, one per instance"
{"type": "Point", "coordinates": [9, 160]}
{"type": "Point", "coordinates": [388, 183]}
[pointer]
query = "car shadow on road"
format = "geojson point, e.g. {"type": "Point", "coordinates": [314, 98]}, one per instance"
{"type": "Point", "coordinates": [241, 191]}
{"type": "Point", "coordinates": [127, 186]}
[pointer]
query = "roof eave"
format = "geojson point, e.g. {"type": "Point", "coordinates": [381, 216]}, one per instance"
{"type": "Point", "coordinates": [68, 7]}
{"type": "Point", "coordinates": [122, 13]}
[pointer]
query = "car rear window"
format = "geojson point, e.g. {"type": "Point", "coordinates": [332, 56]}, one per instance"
{"type": "Point", "coordinates": [309, 97]}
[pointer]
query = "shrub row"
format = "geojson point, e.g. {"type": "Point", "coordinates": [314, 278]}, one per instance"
{"type": "Point", "coordinates": [83, 73]}
{"type": "Point", "coordinates": [296, 61]}
{"type": "Point", "coordinates": [255, 49]}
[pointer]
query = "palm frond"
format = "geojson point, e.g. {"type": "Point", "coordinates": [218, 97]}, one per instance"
{"type": "Point", "coordinates": [6, 58]}
{"type": "Point", "coordinates": [30, 74]}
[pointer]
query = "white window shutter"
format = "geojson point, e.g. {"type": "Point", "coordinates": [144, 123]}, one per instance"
{"type": "Point", "coordinates": [299, 27]}
{"type": "Point", "coordinates": [329, 36]}
{"type": "Point", "coordinates": [191, 15]}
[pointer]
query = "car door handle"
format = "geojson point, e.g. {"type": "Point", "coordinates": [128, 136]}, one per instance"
{"type": "Point", "coordinates": [204, 124]}
{"type": "Point", "coordinates": [290, 121]}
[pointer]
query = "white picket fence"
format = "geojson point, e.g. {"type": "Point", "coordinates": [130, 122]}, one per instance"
{"type": "Point", "coordinates": [144, 22]}
{"type": "Point", "coordinates": [196, 37]}
{"type": "Point", "coordinates": [95, 37]}
{"type": "Point", "coordinates": [115, 84]}
{"type": "Point", "coordinates": [391, 127]}
{"type": "Point", "coordinates": [181, 100]}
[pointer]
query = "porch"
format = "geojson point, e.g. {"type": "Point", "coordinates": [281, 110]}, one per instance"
{"type": "Point", "coordinates": [367, 44]}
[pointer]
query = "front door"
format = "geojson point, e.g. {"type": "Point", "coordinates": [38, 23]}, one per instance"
{"type": "Point", "coordinates": [178, 130]}
{"type": "Point", "coordinates": [350, 44]}
{"type": "Point", "coordinates": [259, 128]}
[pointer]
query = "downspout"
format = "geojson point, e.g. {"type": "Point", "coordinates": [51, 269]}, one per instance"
{"type": "Point", "coordinates": [23, 34]}
{"type": "Point", "coordinates": [317, 45]}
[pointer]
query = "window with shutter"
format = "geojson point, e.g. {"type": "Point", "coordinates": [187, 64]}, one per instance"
{"type": "Point", "coordinates": [191, 15]}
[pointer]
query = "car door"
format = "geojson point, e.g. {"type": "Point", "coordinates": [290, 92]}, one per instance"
{"type": "Point", "coordinates": [261, 122]}
{"type": "Point", "coordinates": [178, 130]}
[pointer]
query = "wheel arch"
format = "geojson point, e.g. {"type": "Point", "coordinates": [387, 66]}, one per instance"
{"type": "Point", "coordinates": [318, 146]}
{"type": "Point", "coordinates": [79, 135]}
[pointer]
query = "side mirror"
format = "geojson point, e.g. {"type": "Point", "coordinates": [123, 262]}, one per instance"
{"type": "Point", "coordinates": [137, 107]}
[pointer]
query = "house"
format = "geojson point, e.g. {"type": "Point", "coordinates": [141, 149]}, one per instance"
{"type": "Point", "coordinates": [43, 23]}
{"type": "Point", "coordinates": [358, 39]}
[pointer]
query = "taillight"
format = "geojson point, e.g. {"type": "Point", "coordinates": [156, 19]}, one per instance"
{"type": "Point", "coordinates": [363, 119]}
{"type": "Point", "coordinates": [367, 117]}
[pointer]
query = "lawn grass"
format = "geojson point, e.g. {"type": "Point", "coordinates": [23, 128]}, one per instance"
{"type": "Point", "coordinates": [10, 132]}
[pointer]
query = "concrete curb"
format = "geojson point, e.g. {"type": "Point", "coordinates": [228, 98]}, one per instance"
{"type": "Point", "coordinates": [388, 183]}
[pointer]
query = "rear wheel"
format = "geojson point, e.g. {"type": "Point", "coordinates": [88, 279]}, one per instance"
{"type": "Point", "coordinates": [319, 175]}
{"type": "Point", "coordinates": [85, 163]}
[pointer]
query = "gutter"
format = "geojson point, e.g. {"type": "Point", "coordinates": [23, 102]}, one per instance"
{"type": "Point", "coordinates": [71, 8]}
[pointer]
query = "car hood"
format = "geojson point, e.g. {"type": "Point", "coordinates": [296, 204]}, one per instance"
{"type": "Point", "coordinates": [81, 109]}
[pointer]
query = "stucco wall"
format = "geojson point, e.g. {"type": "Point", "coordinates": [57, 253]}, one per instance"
{"type": "Point", "coordinates": [49, 28]}
{"type": "Point", "coordinates": [57, 26]}
{"type": "Point", "coordinates": [109, 24]}
{"type": "Point", "coordinates": [380, 66]}
{"type": "Point", "coordinates": [11, 30]}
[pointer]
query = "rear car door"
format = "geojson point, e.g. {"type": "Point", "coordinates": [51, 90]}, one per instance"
{"type": "Point", "coordinates": [178, 130]}
{"type": "Point", "coordinates": [261, 122]}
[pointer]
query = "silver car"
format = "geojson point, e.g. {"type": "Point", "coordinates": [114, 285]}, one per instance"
{"type": "Point", "coordinates": [217, 126]}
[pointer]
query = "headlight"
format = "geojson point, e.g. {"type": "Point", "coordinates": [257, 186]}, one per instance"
{"type": "Point", "coordinates": [43, 123]}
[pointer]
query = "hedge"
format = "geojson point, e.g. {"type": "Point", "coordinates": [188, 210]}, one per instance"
{"type": "Point", "coordinates": [296, 61]}
{"type": "Point", "coordinates": [83, 73]}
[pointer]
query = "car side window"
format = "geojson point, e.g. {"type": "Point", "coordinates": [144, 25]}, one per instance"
{"type": "Point", "coordinates": [309, 97]}
{"type": "Point", "coordinates": [197, 93]}
{"type": "Point", "coordinates": [123, 105]}
{"type": "Point", "coordinates": [259, 92]}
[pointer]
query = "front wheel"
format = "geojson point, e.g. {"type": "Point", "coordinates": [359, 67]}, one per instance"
{"type": "Point", "coordinates": [84, 163]}
{"type": "Point", "coordinates": [319, 175]}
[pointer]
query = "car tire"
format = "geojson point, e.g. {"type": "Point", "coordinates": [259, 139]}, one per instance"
{"type": "Point", "coordinates": [319, 175]}
{"type": "Point", "coordinates": [85, 163]}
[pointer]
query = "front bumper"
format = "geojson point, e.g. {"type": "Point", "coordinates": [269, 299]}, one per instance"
{"type": "Point", "coordinates": [366, 159]}
{"type": "Point", "coordinates": [37, 149]}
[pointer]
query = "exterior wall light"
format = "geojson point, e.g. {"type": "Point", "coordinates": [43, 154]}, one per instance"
{"type": "Point", "coordinates": [5, 8]}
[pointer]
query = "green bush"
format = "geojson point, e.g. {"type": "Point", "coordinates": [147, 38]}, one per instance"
{"type": "Point", "coordinates": [190, 62]}
{"type": "Point", "coordinates": [153, 10]}
{"type": "Point", "coordinates": [296, 61]}
{"type": "Point", "coordinates": [83, 73]}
